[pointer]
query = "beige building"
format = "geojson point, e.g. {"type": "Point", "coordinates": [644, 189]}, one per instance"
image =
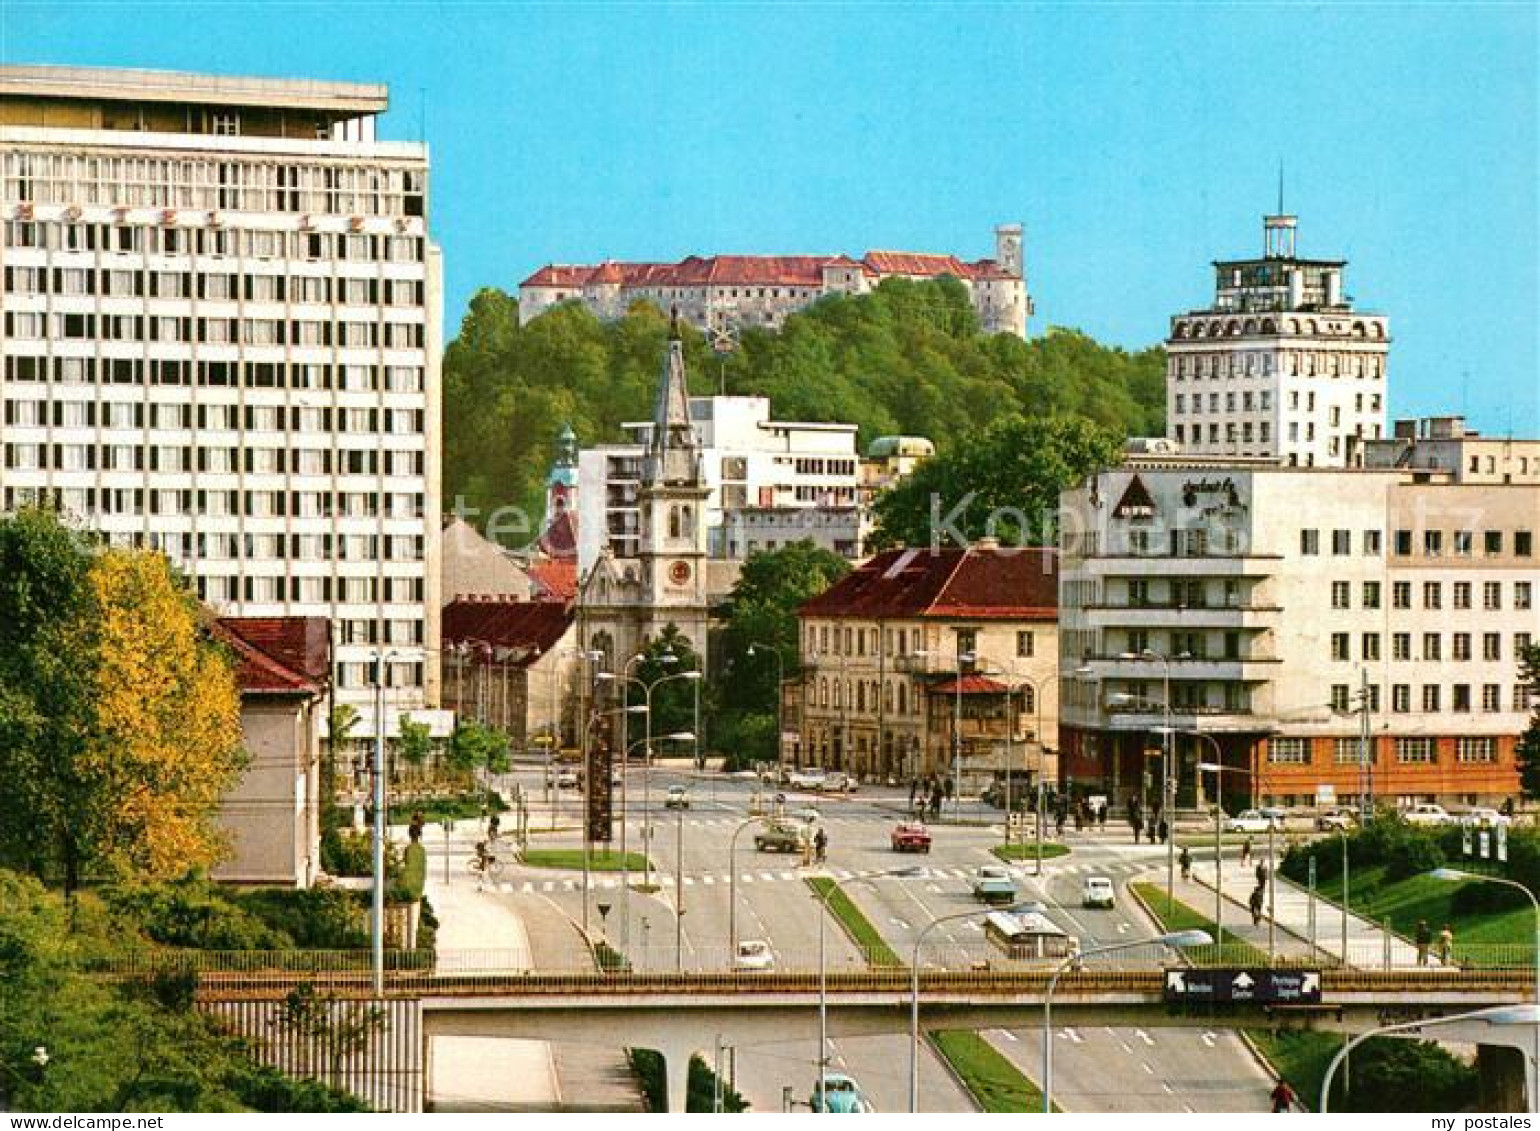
{"type": "Point", "coordinates": [1276, 611]}
{"type": "Point", "coordinates": [273, 816]}
{"type": "Point", "coordinates": [1444, 443]}
{"type": "Point", "coordinates": [931, 664]}
{"type": "Point", "coordinates": [476, 566]}
{"type": "Point", "coordinates": [222, 332]}
{"type": "Point", "coordinates": [1280, 365]}
{"type": "Point", "coordinates": [513, 665]}
{"type": "Point", "coordinates": [724, 292]}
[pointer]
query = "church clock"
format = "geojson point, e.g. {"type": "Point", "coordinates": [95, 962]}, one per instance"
{"type": "Point", "coordinates": [679, 572]}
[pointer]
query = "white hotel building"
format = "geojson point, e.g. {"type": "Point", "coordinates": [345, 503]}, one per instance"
{"type": "Point", "coordinates": [222, 331]}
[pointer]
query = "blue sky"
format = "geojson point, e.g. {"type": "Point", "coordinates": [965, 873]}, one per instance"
{"type": "Point", "coordinates": [1136, 142]}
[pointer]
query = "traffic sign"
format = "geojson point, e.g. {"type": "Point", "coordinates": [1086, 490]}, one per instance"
{"type": "Point", "coordinates": [1264, 987]}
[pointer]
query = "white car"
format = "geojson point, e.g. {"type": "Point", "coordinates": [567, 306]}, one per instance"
{"type": "Point", "coordinates": [1097, 891]}
{"type": "Point", "coordinates": [678, 797]}
{"type": "Point", "coordinates": [1483, 818]}
{"type": "Point", "coordinates": [1252, 821]}
{"type": "Point", "coordinates": [567, 779]}
{"type": "Point", "coordinates": [838, 783]}
{"type": "Point", "coordinates": [754, 954]}
{"type": "Point", "coordinates": [1426, 814]}
{"type": "Point", "coordinates": [810, 778]}
{"type": "Point", "coordinates": [809, 814]}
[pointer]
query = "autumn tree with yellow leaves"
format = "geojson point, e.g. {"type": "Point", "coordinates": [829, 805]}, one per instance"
{"type": "Point", "coordinates": [119, 717]}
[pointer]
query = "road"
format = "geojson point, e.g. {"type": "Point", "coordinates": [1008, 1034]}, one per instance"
{"type": "Point", "coordinates": [1102, 1070]}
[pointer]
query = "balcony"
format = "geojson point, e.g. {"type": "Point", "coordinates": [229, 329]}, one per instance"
{"type": "Point", "coordinates": [1157, 615]}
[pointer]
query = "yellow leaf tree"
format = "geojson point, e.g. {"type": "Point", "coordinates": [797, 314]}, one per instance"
{"type": "Point", "coordinates": [164, 739]}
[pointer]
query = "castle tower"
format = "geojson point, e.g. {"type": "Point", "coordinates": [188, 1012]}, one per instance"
{"type": "Point", "coordinates": [1008, 249]}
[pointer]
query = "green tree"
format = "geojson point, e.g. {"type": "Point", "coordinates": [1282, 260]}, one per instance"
{"type": "Point", "coordinates": [673, 702]}
{"type": "Point", "coordinates": [415, 742]}
{"type": "Point", "coordinates": [1005, 483]}
{"type": "Point", "coordinates": [1528, 750]}
{"type": "Point", "coordinates": [475, 746]}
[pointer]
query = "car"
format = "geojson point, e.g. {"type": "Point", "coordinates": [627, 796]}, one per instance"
{"type": "Point", "coordinates": [1252, 821]}
{"type": "Point", "coordinates": [1274, 813]}
{"type": "Point", "coordinates": [810, 778]}
{"type": "Point", "coordinates": [839, 1094]}
{"type": "Point", "coordinates": [837, 783]}
{"type": "Point", "coordinates": [808, 814]}
{"type": "Point", "coordinates": [910, 836]}
{"type": "Point", "coordinates": [1483, 818]}
{"type": "Point", "coordinates": [781, 838]}
{"type": "Point", "coordinates": [994, 884]}
{"type": "Point", "coordinates": [678, 797]}
{"type": "Point", "coordinates": [1427, 814]}
{"type": "Point", "coordinates": [568, 779]}
{"type": "Point", "coordinates": [1097, 891]}
{"type": "Point", "coordinates": [754, 954]}
{"type": "Point", "coordinates": [1336, 820]}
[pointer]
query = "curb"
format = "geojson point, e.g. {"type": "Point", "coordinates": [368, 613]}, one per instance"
{"type": "Point", "coordinates": [926, 1035]}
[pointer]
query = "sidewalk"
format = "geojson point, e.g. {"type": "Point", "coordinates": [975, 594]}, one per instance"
{"type": "Point", "coordinates": [1235, 919]}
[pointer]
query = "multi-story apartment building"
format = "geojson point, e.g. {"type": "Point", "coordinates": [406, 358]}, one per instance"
{"type": "Point", "coordinates": [1444, 443]}
{"type": "Point", "coordinates": [1280, 365]}
{"type": "Point", "coordinates": [747, 461]}
{"type": "Point", "coordinates": [931, 664]}
{"type": "Point", "coordinates": [725, 291]}
{"type": "Point", "coordinates": [1273, 613]}
{"type": "Point", "coordinates": [222, 337]}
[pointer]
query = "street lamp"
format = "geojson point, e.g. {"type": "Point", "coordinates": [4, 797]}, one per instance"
{"type": "Point", "coordinates": [1456, 875]}
{"type": "Point", "coordinates": [780, 685]}
{"type": "Point", "coordinates": [678, 736]}
{"type": "Point", "coordinates": [377, 904]}
{"type": "Point", "coordinates": [1037, 697]}
{"type": "Point", "coordinates": [1272, 861]}
{"type": "Point", "coordinates": [732, 885]}
{"type": "Point", "coordinates": [914, 994]}
{"type": "Point", "coordinates": [823, 967]}
{"type": "Point", "coordinates": [1177, 938]}
{"type": "Point", "coordinates": [1168, 769]}
{"type": "Point", "coordinates": [962, 658]}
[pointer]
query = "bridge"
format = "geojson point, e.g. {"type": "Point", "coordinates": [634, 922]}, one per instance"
{"type": "Point", "coordinates": [680, 1013]}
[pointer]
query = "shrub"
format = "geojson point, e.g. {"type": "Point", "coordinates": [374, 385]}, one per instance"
{"type": "Point", "coordinates": [315, 918]}
{"type": "Point", "coordinates": [1397, 1075]}
{"type": "Point", "coordinates": [192, 913]}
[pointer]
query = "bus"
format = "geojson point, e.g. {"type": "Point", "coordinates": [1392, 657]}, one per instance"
{"type": "Point", "coordinates": [1026, 935]}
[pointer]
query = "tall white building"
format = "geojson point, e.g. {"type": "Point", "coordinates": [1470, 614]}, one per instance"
{"type": "Point", "coordinates": [748, 462]}
{"type": "Point", "coordinates": [221, 337]}
{"type": "Point", "coordinates": [721, 291]}
{"type": "Point", "coordinates": [1281, 365]}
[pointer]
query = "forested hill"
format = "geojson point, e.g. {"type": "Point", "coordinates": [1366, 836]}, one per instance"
{"type": "Point", "coordinates": [907, 358]}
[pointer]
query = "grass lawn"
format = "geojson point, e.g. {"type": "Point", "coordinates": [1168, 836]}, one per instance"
{"type": "Point", "coordinates": [1013, 852]}
{"type": "Point", "coordinates": [856, 925]}
{"type": "Point", "coordinates": [573, 858]}
{"type": "Point", "coordinates": [996, 1083]}
{"type": "Point", "coordinates": [456, 807]}
{"type": "Point", "coordinates": [1300, 1058]}
{"type": "Point", "coordinates": [1180, 917]}
{"type": "Point", "coordinates": [1477, 937]}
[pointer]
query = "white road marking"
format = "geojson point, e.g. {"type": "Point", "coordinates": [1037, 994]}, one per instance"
{"type": "Point", "coordinates": [505, 887]}
{"type": "Point", "coordinates": [788, 875]}
{"type": "Point", "coordinates": [688, 882]}
{"type": "Point", "coordinates": [708, 880]}
{"type": "Point", "coordinates": [934, 889]}
{"type": "Point", "coordinates": [768, 877]}
{"type": "Point", "coordinates": [1167, 1088]}
{"type": "Point", "coordinates": [1143, 1036]}
{"type": "Point", "coordinates": [899, 923]}
{"type": "Point", "coordinates": [1128, 1048]}
{"type": "Point", "coordinates": [1210, 1039]}
{"type": "Point", "coordinates": [746, 878]}
{"type": "Point", "coordinates": [549, 885]}
{"type": "Point", "coordinates": [1144, 1064]}
{"type": "Point", "coordinates": [1071, 1035]}
{"type": "Point", "coordinates": [528, 887]}
{"type": "Point", "coordinates": [1006, 1033]}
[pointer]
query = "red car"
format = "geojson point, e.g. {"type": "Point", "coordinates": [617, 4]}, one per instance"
{"type": "Point", "coordinates": [910, 836]}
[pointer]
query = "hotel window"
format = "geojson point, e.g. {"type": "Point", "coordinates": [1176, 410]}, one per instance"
{"type": "Point", "coordinates": [1341, 542]}
{"type": "Point", "coordinates": [1520, 643]}
{"type": "Point", "coordinates": [1339, 646]}
{"type": "Point", "coordinates": [1492, 595]}
{"type": "Point", "coordinates": [1460, 698]}
{"type": "Point", "coordinates": [1430, 646]}
{"type": "Point", "coordinates": [1432, 595]}
{"type": "Point", "coordinates": [1462, 594]}
{"type": "Point", "coordinates": [1371, 646]}
{"type": "Point", "coordinates": [1401, 698]}
{"type": "Point", "coordinates": [1430, 698]}
{"type": "Point", "coordinates": [1521, 594]}
{"type": "Point", "coordinates": [1309, 542]}
{"type": "Point", "coordinates": [1291, 751]}
{"type": "Point", "coordinates": [1401, 594]}
{"type": "Point", "coordinates": [1341, 595]}
{"type": "Point", "coordinates": [1464, 541]}
{"type": "Point", "coordinates": [1345, 751]}
{"type": "Point", "coordinates": [1492, 646]}
{"type": "Point", "coordinates": [1371, 594]}
{"type": "Point", "coordinates": [1491, 698]}
{"type": "Point", "coordinates": [1414, 750]}
{"type": "Point", "coordinates": [1026, 644]}
{"type": "Point", "coordinates": [1404, 543]}
{"type": "Point", "coordinates": [1476, 749]}
{"type": "Point", "coordinates": [1401, 646]}
{"type": "Point", "coordinates": [1523, 543]}
{"type": "Point", "coordinates": [1520, 697]}
{"type": "Point", "coordinates": [1340, 696]}
{"type": "Point", "coordinates": [1494, 543]}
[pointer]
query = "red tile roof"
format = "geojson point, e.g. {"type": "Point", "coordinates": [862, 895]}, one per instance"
{"type": "Point", "coordinates": [527, 628]}
{"type": "Point", "coordinates": [971, 685]}
{"type": "Point", "coordinates": [977, 583]}
{"type": "Point", "coordinates": [759, 270]}
{"type": "Point", "coordinates": [560, 538]}
{"type": "Point", "coordinates": [555, 580]}
{"type": "Point", "coordinates": [278, 655]}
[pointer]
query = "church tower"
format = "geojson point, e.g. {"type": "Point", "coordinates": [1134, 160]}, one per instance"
{"type": "Point", "coordinates": [672, 499]}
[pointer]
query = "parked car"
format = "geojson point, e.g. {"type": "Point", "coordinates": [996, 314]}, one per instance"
{"type": "Point", "coordinates": [994, 884]}
{"type": "Point", "coordinates": [754, 954]}
{"type": "Point", "coordinates": [1336, 820]}
{"type": "Point", "coordinates": [839, 1094]}
{"type": "Point", "coordinates": [568, 779]}
{"type": "Point", "coordinates": [781, 838]}
{"type": "Point", "coordinates": [678, 797]}
{"type": "Point", "coordinates": [1427, 814]}
{"type": "Point", "coordinates": [837, 783]}
{"type": "Point", "coordinates": [1252, 821]}
{"type": "Point", "coordinates": [810, 778]}
{"type": "Point", "coordinates": [1483, 818]}
{"type": "Point", "coordinates": [1097, 891]}
{"type": "Point", "coordinates": [1275, 813]}
{"type": "Point", "coordinates": [910, 836]}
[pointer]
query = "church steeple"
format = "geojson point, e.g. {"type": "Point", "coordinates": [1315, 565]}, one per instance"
{"type": "Point", "coordinates": [673, 458]}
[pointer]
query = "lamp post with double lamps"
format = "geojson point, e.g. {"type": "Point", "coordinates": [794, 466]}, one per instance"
{"type": "Point", "coordinates": [1168, 767]}
{"type": "Point", "coordinates": [780, 689]}
{"type": "Point", "coordinates": [1456, 875]}
{"type": "Point", "coordinates": [732, 884]}
{"type": "Point", "coordinates": [1218, 769]}
{"type": "Point", "coordinates": [1177, 938]}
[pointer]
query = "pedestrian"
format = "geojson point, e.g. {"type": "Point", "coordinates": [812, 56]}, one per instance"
{"type": "Point", "coordinates": [821, 843]}
{"type": "Point", "coordinates": [483, 859]}
{"type": "Point", "coordinates": [1165, 830]}
{"type": "Point", "coordinates": [1138, 826]}
{"type": "Point", "coordinates": [1256, 907]}
{"type": "Point", "coordinates": [1101, 816]}
{"type": "Point", "coordinates": [1261, 873]}
{"type": "Point", "coordinates": [1058, 823]}
{"type": "Point", "coordinates": [1445, 945]}
{"type": "Point", "coordinates": [1283, 1097]}
{"type": "Point", "coordinates": [914, 788]}
{"type": "Point", "coordinates": [1079, 819]}
{"type": "Point", "coordinates": [1424, 939]}
{"type": "Point", "coordinates": [494, 824]}
{"type": "Point", "coordinates": [1151, 830]}
{"type": "Point", "coordinates": [1245, 852]}
{"type": "Point", "coordinates": [1186, 861]}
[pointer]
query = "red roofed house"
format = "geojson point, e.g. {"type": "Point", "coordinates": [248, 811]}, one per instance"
{"type": "Point", "coordinates": [918, 656]}
{"type": "Point", "coordinates": [761, 290]}
{"type": "Point", "coordinates": [512, 665]}
{"type": "Point", "coordinates": [273, 816]}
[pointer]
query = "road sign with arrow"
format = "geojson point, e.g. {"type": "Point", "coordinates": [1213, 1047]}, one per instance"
{"type": "Point", "coordinates": [1263, 987]}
